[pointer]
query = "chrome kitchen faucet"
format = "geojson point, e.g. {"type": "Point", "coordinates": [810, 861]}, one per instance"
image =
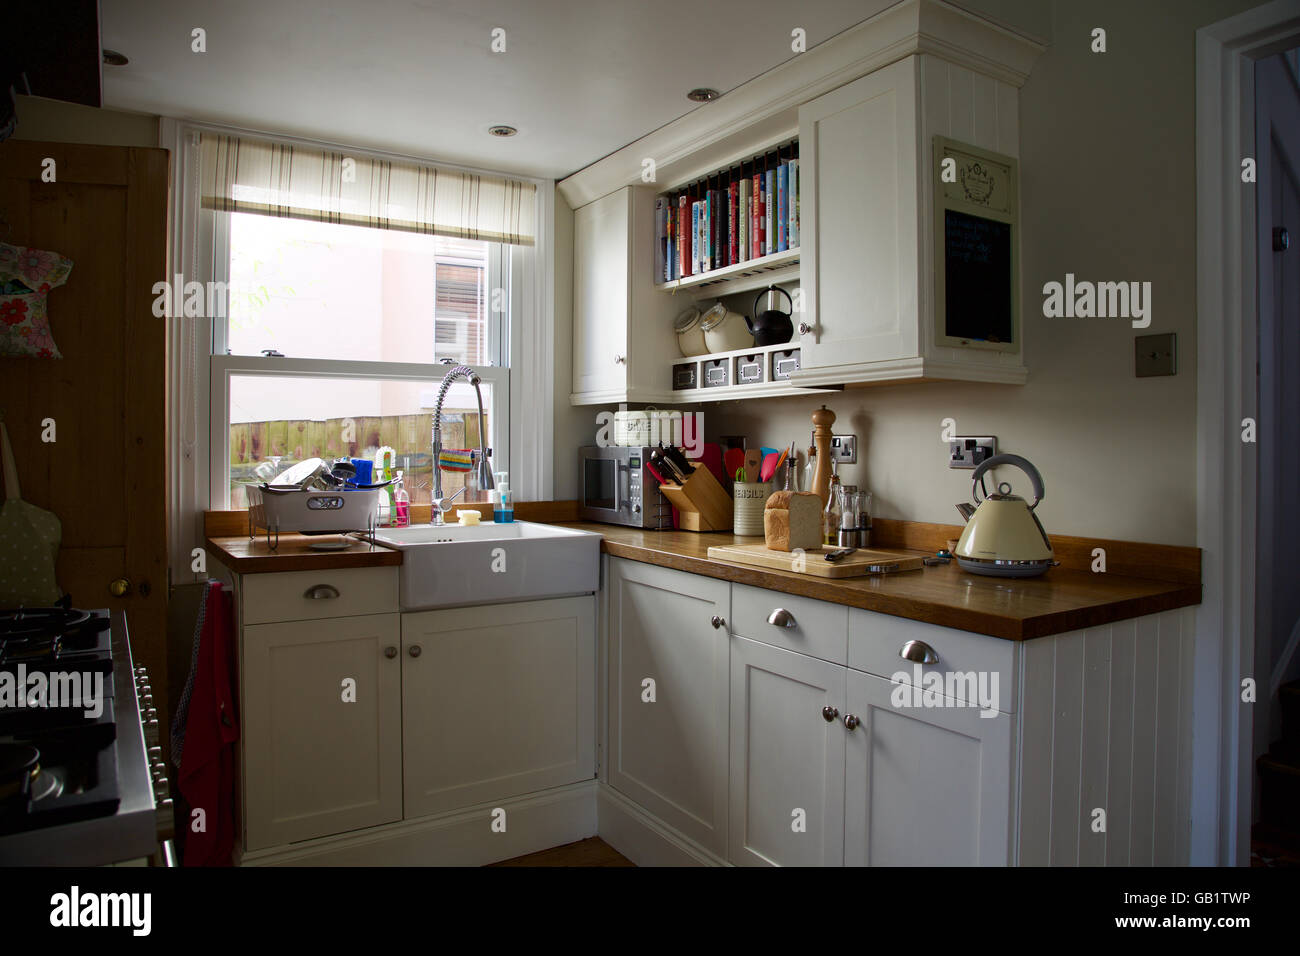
{"type": "Point", "coordinates": [485, 481]}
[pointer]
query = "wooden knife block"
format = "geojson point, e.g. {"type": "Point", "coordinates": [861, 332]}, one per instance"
{"type": "Point", "coordinates": [701, 501]}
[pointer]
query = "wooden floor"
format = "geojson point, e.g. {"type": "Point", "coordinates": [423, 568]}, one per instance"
{"type": "Point", "coordinates": [590, 852]}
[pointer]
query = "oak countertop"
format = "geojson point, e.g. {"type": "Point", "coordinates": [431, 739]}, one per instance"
{"type": "Point", "coordinates": [1061, 600]}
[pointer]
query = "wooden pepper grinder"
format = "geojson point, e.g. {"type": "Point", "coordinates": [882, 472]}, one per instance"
{"type": "Point", "coordinates": [822, 420]}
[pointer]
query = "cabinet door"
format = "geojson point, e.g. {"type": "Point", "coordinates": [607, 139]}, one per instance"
{"type": "Point", "coordinates": [669, 754]}
{"type": "Point", "coordinates": [497, 701]}
{"type": "Point", "coordinates": [600, 295]}
{"type": "Point", "coordinates": [859, 261]}
{"type": "Point", "coordinates": [925, 785]}
{"type": "Point", "coordinates": [787, 759]}
{"type": "Point", "coordinates": [315, 761]}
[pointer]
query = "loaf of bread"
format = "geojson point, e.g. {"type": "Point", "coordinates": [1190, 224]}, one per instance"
{"type": "Point", "coordinates": [793, 519]}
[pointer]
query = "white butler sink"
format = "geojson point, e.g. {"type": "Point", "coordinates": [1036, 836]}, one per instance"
{"type": "Point", "coordinates": [491, 563]}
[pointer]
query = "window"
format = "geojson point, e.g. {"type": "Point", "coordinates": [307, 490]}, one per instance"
{"type": "Point", "coordinates": [345, 304]}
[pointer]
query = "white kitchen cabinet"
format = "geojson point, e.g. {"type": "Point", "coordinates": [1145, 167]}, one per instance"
{"type": "Point", "coordinates": [668, 696]}
{"type": "Point", "coordinates": [868, 265]}
{"type": "Point", "coordinates": [925, 786]}
{"type": "Point", "coordinates": [787, 758]}
{"type": "Point", "coordinates": [623, 341]}
{"type": "Point", "coordinates": [497, 701]}
{"type": "Point", "coordinates": [320, 756]}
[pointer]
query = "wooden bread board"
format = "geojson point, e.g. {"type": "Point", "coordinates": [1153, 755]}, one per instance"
{"type": "Point", "coordinates": [814, 562]}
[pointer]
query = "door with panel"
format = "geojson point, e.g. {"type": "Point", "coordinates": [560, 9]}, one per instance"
{"type": "Point", "coordinates": [925, 785]}
{"type": "Point", "coordinates": [858, 169]}
{"type": "Point", "coordinates": [321, 727]}
{"type": "Point", "coordinates": [601, 294]}
{"type": "Point", "coordinates": [667, 698]}
{"type": "Point", "coordinates": [787, 758]}
{"type": "Point", "coordinates": [497, 701]}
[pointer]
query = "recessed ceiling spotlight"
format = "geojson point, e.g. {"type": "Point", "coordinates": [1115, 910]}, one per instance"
{"type": "Point", "coordinates": [502, 130]}
{"type": "Point", "coordinates": [113, 58]}
{"type": "Point", "coordinates": [702, 94]}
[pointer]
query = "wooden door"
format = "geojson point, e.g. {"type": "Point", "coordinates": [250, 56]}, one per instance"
{"type": "Point", "coordinates": [925, 786]}
{"type": "Point", "coordinates": [600, 295]}
{"type": "Point", "coordinates": [497, 701]}
{"type": "Point", "coordinates": [316, 763]}
{"type": "Point", "coordinates": [787, 759]}
{"type": "Point", "coordinates": [105, 474]}
{"type": "Point", "coordinates": [669, 753]}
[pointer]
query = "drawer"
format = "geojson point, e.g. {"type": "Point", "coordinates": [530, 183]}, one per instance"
{"type": "Point", "coordinates": [283, 596]}
{"type": "Point", "coordinates": [967, 662]}
{"type": "Point", "coordinates": [818, 628]}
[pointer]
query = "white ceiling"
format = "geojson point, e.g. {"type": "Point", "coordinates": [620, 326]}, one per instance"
{"type": "Point", "coordinates": [579, 78]}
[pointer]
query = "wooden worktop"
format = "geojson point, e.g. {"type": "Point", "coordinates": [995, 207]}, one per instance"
{"type": "Point", "coordinates": [1063, 599]}
{"type": "Point", "coordinates": [243, 555]}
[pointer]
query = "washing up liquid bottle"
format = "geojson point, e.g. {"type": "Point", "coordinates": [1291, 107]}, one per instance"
{"type": "Point", "coordinates": [503, 509]}
{"type": "Point", "coordinates": [401, 504]}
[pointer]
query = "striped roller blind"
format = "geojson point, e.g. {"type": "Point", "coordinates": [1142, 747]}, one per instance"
{"type": "Point", "coordinates": [241, 174]}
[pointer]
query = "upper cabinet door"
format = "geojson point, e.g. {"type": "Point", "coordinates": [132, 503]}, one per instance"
{"type": "Point", "coordinates": [925, 785]}
{"type": "Point", "coordinates": [601, 234]}
{"type": "Point", "coordinates": [859, 162]}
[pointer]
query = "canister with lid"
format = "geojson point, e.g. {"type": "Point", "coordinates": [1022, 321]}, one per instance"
{"type": "Point", "coordinates": [690, 333]}
{"type": "Point", "coordinates": [724, 330]}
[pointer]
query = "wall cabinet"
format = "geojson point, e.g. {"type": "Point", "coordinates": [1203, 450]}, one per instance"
{"type": "Point", "coordinates": [668, 696]}
{"type": "Point", "coordinates": [623, 342]}
{"type": "Point", "coordinates": [318, 759]}
{"type": "Point", "coordinates": [497, 701]}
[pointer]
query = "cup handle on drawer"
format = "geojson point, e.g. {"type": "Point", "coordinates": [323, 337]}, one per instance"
{"type": "Point", "coordinates": [919, 652]}
{"type": "Point", "coordinates": [320, 592]}
{"type": "Point", "coordinates": [781, 618]}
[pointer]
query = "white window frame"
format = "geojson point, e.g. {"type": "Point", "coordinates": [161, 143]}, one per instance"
{"type": "Point", "coordinates": [199, 372]}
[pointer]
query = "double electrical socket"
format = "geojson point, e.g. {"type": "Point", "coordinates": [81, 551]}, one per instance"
{"type": "Point", "coordinates": [970, 451]}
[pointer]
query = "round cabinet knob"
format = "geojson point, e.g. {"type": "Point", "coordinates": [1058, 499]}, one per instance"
{"type": "Point", "coordinates": [415, 650]}
{"type": "Point", "coordinates": [390, 652]}
{"type": "Point", "coordinates": [620, 359]}
{"type": "Point", "coordinates": [851, 721]}
{"type": "Point", "coordinates": [119, 587]}
{"type": "Point", "coordinates": [829, 713]}
{"type": "Point", "coordinates": [804, 328]}
{"type": "Point", "coordinates": [1281, 239]}
{"type": "Point", "coordinates": [717, 622]}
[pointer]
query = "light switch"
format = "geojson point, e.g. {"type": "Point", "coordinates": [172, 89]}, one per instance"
{"type": "Point", "coordinates": [1155, 355]}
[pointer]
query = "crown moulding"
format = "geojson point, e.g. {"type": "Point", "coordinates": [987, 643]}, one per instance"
{"type": "Point", "coordinates": [765, 109]}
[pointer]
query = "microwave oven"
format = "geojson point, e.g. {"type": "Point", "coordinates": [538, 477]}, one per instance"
{"type": "Point", "coordinates": [616, 487]}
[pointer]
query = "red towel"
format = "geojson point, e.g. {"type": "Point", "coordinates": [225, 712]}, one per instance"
{"type": "Point", "coordinates": [207, 775]}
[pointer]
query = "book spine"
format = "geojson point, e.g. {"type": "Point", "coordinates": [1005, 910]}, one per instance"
{"type": "Point", "coordinates": [782, 207]}
{"type": "Point", "coordinates": [792, 190]}
{"type": "Point", "coordinates": [709, 210]}
{"type": "Point", "coordinates": [716, 231]}
{"type": "Point", "coordinates": [684, 236]}
{"type": "Point", "coordinates": [769, 212]}
{"type": "Point", "coordinates": [661, 236]}
{"type": "Point", "coordinates": [755, 217]}
{"type": "Point", "coordinates": [733, 223]}
{"type": "Point", "coordinates": [671, 256]}
{"type": "Point", "coordinates": [742, 241]}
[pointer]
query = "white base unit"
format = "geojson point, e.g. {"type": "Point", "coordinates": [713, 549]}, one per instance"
{"type": "Point", "coordinates": [1003, 753]}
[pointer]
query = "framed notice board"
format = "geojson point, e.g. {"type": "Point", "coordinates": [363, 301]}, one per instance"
{"type": "Point", "coordinates": [977, 241]}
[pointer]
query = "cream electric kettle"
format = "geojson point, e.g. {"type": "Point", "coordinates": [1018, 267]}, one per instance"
{"type": "Point", "coordinates": [1002, 536]}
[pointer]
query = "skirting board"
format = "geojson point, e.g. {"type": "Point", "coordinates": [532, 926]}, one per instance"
{"type": "Point", "coordinates": [641, 838]}
{"type": "Point", "coordinates": [534, 822]}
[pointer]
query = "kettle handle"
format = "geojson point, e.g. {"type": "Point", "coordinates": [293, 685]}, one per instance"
{"type": "Point", "coordinates": [1022, 463]}
{"type": "Point", "coordinates": [772, 288]}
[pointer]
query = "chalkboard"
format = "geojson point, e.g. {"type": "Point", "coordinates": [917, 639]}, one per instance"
{"type": "Point", "coordinates": [977, 278]}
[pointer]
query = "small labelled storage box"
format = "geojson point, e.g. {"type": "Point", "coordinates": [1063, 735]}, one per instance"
{"type": "Point", "coordinates": [686, 375]}
{"type": "Point", "coordinates": [750, 370]}
{"type": "Point", "coordinates": [785, 362]}
{"type": "Point", "coordinates": [716, 373]}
